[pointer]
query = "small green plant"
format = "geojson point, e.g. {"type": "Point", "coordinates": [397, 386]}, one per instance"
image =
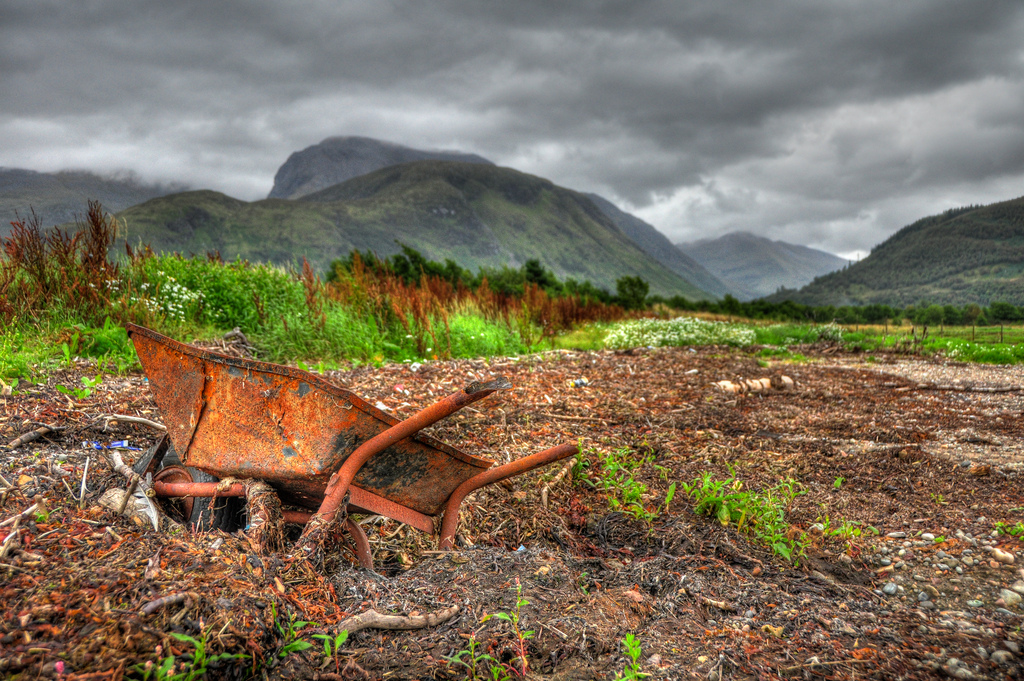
{"type": "Point", "coordinates": [939, 500]}
{"type": "Point", "coordinates": [631, 645]}
{"type": "Point", "coordinates": [332, 645]}
{"type": "Point", "coordinates": [474, 661]}
{"type": "Point", "coordinates": [290, 634]}
{"type": "Point", "coordinates": [1016, 530]}
{"type": "Point", "coordinates": [514, 618]}
{"type": "Point", "coordinates": [69, 350]}
{"type": "Point", "coordinates": [838, 483]}
{"type": "Point", "coordinates": [81, 393]}
{"type": "Point", "coordinates": [617, 473]}
{"type": "Point", "coordinates": [762, 514]}
{"type": "Point", "coordinates": [195, 666]}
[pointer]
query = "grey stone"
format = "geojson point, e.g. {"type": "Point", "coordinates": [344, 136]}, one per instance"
{"type": "Point", "coordinates": [928, 536]}
{"type": "Point", "coordinates": [982, 653]}
{"type": "Point", "coordinates": [1001, 656]}
{"type": "Point", "coordinates": [975, 604]}
{"type": "Point", "coordinates": [890, 589]}
{"type": "Point", "coordinates": [927, 605]}
{"type": "Point", "coordinates": [1011, 598]}
{"type": "Point", "coordinates": [1012, 647]}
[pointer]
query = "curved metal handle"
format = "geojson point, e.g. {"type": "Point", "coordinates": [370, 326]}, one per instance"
{"type": "Point", "coordinates": [524, 465]}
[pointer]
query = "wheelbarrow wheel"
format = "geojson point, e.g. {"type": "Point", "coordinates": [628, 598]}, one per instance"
{"type": "Point", "coordinates": [206, 513]}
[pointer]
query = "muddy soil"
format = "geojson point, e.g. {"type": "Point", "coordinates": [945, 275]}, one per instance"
{"type": "Point", "coordinates": [920, 461]}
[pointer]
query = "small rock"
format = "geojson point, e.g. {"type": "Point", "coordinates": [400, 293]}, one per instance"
{"type": "Point", "coordinates": [928, 536]}
{"type": "Point", "coordinates": [654, 660]}
{"type": "Point", "coordinates": [967, 561]}
{"type": "Point", "coordinates": [927, 605]}
{"type": "Point", "coordinates": [890, 588]}
{"type": "Point", "coordinates": [1012, 647]}
{"type": "Point", "coordinates": [1018, 587]}
{"type": "Point", "coordinates": [896, 535]}
{"type": "Point", "coordinates": [932, 591]}
{"type": "Point", "coordinates": [975, 604]}
{"type": "Point", "coordinates": [1009, 598]}
{"type": "Point", "coordinates": [1002, 556]}
{"type": "Point", "coordinates": [981, 652]}
{"type": "Point", "coordinates": [1001, 657]}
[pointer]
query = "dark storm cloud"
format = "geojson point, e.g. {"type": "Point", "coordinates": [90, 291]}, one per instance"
{"type": "Point", "coordinates": [831, 124]}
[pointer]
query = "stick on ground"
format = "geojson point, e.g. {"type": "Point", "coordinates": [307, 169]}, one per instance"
{"type": "Point", "coordinates": [371, 619]}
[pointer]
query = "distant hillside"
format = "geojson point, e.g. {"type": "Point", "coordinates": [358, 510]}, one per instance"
{"type": "Point", "coordinates": [965, 255]}
{"type": "Point", "coordinates": [59, 197]}
{"type": "Point", "coordinates": [657, 245]}
{"type": "Point", "coordinates": [754, 267]}
{"type": "Point", "coordinates": [338, 159]}
{"type": "Point", "coordinates": [476, 214]}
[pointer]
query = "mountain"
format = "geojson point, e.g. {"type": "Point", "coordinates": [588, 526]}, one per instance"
{"type": "Point", "coordinates": [965, 255]}
{"type": "Point", "coordinates": [657, 245]}
{"type": "Point", "coordinates": [755, 267]}
{"type": "Point", "coordinates": [338, 159]}
{"type": "Point", "coordinates": [59, 198]}
{"type": "Point", "coordinates": [473, 213]}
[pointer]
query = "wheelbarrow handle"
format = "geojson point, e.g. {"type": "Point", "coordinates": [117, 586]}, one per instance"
{"type": "Point", "coordinates": [339, 483]}
{"type": "Point", "coordinates": [490, 476]}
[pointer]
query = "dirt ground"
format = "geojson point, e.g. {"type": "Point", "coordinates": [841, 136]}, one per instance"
{"type": "Point", "coordinates": [928, 453]}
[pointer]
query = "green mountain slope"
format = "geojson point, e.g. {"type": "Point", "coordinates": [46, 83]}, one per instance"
{"type": "Point", "coordinates": [966, 255]}
{"type": "Point", "coordinates": [475, 214]}
{"type": "Point", "coordinates": [657, 245]}
{"type": "Point", "coordinates": [59, 198]}
{"type": "Point", "coordinates": [754, 267]}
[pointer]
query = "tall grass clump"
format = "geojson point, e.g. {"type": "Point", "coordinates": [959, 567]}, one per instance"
{"type": "Point", "coordinates": [677, 332]}
{"type": "Point", "coordinates": [59, 275]}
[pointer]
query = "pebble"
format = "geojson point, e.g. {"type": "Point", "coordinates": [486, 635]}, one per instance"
{"type": "Point", "coordinates": [975, 604]}
{"type": "Point", "coordinates": [981, 652]}
{"type": "Point", "coordinates": [890, 588]}
{"type": "Point", "coordinates": [896, 535]}
{"type": "Point", "coordinates": [1003, 556]}
{"type": "Point", "coordinates": [1010, 598]}
{"type": "Point", "coordinates": [1001, 657]}
{"type": "Point", "coordinates": [968, 561]}
{"type": "Point", "coordinates": [931, 590]}
{"type": "Point", "coordinates": [1018, 587]}
{"type": "Point", "coordinates": [1012, 647]}
{"type": "Point", "coordinates": [928, 536]}
{"type": "Point", "coordinates": [927, 605]}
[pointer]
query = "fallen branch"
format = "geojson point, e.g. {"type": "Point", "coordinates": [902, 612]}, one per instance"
{"type": "Point", "coordinates": [962, 388]}
{"type": "Point", "coordinates": [554, 481]}
{"type": "Point", "coordinates": [164, 601]}
{"type": "Point", "coordinates": [566, 417]}
{"type": "Point", "coordinates": [119, 466]}
{"type": "Point", "coordinates": [371, 619]}
{"type": "Point", "coordinates": [31, 435]}
{"type": "Point", "coordinates": [39, 506]}
{"type": "Point", "coordinates": [107, 419]}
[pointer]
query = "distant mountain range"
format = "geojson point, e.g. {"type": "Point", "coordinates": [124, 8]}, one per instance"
{"type": "Point", "coordinates": [754, 267]}
{"type": "Point", "coordinates": [59, 198]}
{"type": "Point", "coordinates": [965, 255]}
{"type": "Point", "coordinates": [475, 213]}
{"type": "Point", "coordinates": [337, 159]}
{"type": "Point", "coordinates": [356, 192]}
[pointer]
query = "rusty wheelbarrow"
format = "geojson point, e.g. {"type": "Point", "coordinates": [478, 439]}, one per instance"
{"type": "Point", "coordinates": [317, 445]}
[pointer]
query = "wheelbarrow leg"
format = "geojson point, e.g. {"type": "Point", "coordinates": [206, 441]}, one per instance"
{"type": "Point", "coordinates": [451, 509]}
{"type": "Point", "coordinates": [339, 483]}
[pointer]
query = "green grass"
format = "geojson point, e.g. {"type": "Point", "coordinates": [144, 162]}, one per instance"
{"type": "Point", "coordinates": [762, 514]}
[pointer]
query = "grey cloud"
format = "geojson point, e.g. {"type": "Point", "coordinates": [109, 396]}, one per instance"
{"type": "Point", "coordinates": [792, 117]}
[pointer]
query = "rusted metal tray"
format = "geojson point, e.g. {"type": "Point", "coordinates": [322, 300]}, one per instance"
{"type": "Point", "coordinates": [318, 445]}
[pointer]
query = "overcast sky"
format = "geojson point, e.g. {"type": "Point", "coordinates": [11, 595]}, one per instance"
{"type": "Point", "coordinates": [827, 123]}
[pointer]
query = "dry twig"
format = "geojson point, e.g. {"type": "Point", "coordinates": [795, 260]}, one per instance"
{"type": "Point", "coordinates": [554, 481]}
{"type": "Point", "coordinates": [371, 619]}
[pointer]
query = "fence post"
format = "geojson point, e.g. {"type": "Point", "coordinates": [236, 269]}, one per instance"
{"type": "Point", "coordinates": [1000, 332]}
